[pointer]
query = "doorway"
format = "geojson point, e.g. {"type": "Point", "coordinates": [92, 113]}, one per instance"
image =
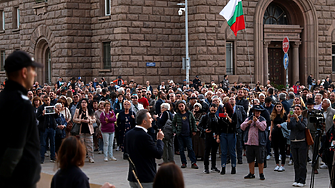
{"type": "Point", "coordinates": [276, 67]}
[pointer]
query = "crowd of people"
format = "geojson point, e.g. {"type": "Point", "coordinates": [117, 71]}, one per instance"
{"type": "Point", "coordinates": [234, 120]}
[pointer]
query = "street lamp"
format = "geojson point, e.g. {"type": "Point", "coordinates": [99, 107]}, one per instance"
{"type": "Point", "coordinates": [180, 12]}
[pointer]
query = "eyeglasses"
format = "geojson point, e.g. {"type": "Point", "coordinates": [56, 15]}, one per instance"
{"type": "Point", "coordinates": [178, 96]}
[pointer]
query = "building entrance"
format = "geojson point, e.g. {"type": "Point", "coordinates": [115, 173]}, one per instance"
{"type": "Point", "coordinates": [276, 67]}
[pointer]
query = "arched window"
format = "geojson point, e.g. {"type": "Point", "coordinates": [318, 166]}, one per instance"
{"type": "Point", "coordinates": [274, 14]}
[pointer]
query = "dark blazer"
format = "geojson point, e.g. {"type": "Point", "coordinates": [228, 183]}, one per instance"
{"type": "Point", "coordinates": [158, 106]}
{"type": "Point", "coordinates": [142, 151]}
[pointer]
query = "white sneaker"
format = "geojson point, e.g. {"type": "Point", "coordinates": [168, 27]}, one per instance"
{"type": "Point", "coordinates": [90, 160]}
{"type": "Point", "coordinates": [100, 152]}
{"type": "Point", "coordinates": [277, 168]}
{"type": "Point", "coordinates": [106, 159]}
{"type": "Point", "coordinates": [295, 184]}
{"type": "Point", "coordinates": [46, 154]}
{"type": "Point", "coordinates": [117, 149]}
{"type": "Point", "coordinates": [281, 169]}
{"type": "Point", "coordinates": [323, 166]}
{"type": "Point", "coordinates": [268, 157]}
{"type": "Point", "coordinates": [290, 163]}
{"type": "Point", "coordinates": [112, 159]}
{"type": "Point", "coordinates": [300, 185]}
{"type": "Point", "coordinates": [280, 157]}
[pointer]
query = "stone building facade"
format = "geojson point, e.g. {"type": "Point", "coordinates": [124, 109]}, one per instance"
{"type": "Point", "coordinates": [108, 38]}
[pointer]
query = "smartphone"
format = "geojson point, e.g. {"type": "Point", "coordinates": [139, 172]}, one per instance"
{"type": "Point", "coordinates": [222, 115]}
{"type": "Point", "coordinates": [291, 111]}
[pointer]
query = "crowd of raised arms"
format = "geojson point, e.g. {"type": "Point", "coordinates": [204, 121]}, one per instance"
{"type": "Point", "coordinates": [242, 120]}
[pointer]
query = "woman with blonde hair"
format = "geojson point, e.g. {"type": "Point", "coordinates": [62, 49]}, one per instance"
{"type": "Point", "coordinates": [278, 116]}
{"type": "Point", "coordinates": [298, 100]}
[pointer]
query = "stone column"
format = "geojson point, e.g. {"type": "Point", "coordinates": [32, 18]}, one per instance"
{"type": "Point", "coordinates": [265, 72]}
{"type": "Point", "coordinates": [295, 62]}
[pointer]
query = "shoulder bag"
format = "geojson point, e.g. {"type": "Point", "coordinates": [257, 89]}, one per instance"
{"type": "Point", "coordinates": [167, 128]}
{"type": "Point", "coordinates": [309, 138]}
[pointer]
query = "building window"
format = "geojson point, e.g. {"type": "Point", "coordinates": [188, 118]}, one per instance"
{"type": "Point", "coordinates": [229, 58]}
{"type": "Point", "coordinates": [2, 14]}
{"type": "Point", "coordinates": [3, 58]}
{"type": "Point", "coordinates": [16, 18]}
{"type": "Point", "coordinates": [106, 55]}
{"type": "Point", "coordinates": [274, 14]}
{"type": "Point", "coordinates": [333, 58]}
{"type": "Point", "coordinates": [107, 7]}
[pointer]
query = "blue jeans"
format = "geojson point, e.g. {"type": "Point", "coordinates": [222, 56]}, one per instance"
{"type": "Point", "coordinates": [228, 142]}
{"type": "Point", "coordinates": [108, 139]}
{"type": "Point", "coordinates": [186, 141]}
{"type": "Point", "coordinates": [48, 133]}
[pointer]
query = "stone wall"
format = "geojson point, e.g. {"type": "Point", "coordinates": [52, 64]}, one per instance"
{"type": "Point", "coordinates": [142, 31]}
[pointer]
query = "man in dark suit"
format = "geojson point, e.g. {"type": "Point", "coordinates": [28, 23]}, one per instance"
{"type": "Point", "coordinates": [142, 150]}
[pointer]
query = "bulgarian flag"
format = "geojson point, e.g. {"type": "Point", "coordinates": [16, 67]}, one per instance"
{"type": "Point", "coordinates": [233, 13]}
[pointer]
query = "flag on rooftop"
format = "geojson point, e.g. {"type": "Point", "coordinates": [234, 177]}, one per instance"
{"type": "Point", "coordinates": [233, 13]}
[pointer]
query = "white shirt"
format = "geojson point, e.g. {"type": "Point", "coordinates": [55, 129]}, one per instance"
{"type": "Point", "coordinates": [137, 126]}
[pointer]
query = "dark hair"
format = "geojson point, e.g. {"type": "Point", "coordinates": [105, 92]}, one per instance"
{"type": "Point", "coordinates": [177, 104]}
{"type": "Point", "coordinates": [268, 99]}
{"type": "Point", "coordinates": [89, 109]}
{"type": "Point", "coordinates": [214, 105]}
{"type": "Point", "coordinates": [140, 116]}
{"type": "Point", "coordinates": [71, 153]}
{"type": "Point", "coordinates": [169, 176]}
{"type": "Point", "coordinates": [229, 109]}
{"type": "Point", "coordinates": [45, 96]}
{"type": "Point", "coordinates": [270, 90]}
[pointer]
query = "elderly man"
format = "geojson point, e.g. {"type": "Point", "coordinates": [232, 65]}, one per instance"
{"type": "Point", "coordinates": [328, 113]}
{"type": "Point", "coordinates": [255, 140]}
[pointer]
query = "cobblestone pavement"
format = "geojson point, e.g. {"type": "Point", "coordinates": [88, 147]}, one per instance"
{"type": "Point", "coordinates": [116, 173]}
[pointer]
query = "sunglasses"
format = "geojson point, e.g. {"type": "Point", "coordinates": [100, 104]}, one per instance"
{"type": "Point", "coordinates": [148, 93]}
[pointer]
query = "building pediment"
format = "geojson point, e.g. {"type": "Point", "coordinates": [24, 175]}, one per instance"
{"type": "Point", "coordinates": [279, 32]}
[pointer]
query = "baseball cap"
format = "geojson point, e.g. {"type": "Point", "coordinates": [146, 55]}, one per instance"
{"type": "Point", "coordinates": [18, 60]}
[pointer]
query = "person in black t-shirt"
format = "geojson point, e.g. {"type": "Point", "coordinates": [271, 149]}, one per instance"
{"type": "Point", "coordinates": [278, 116]}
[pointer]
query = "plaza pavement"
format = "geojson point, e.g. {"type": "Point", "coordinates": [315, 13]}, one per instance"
{"type": "Point", "coordinates": [116, 173]}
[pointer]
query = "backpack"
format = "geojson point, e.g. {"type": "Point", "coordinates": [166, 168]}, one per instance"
{"type": "Point", "coordinates": [167, 128]}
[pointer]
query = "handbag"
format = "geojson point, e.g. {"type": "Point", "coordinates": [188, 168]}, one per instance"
{"type": "Point", "coordinates": [309, 138]}
{"type": "Point", "coordinates": [75, 129]}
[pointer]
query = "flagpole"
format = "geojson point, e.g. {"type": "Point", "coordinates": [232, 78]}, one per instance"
{"type": "Point", "coordinates": [245, 35]}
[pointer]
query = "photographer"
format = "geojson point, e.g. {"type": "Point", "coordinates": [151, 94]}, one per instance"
{"type": "Point", "coordinates": [47, 126]}
{"type": "Point", "coordinates": [312, 127]}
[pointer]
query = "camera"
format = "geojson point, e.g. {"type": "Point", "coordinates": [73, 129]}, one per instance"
{"type": "Point", "coordinates": [180, 11]}
{"type": "Point", "coordinates": [315, 116]}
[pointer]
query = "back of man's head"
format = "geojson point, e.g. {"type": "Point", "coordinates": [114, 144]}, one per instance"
{"type": "Point", "coordinates": [282, 96]}
{"type": "Point", "coordinates": [140, 116]}
{"type": "Point", "coordinates": [291, 95]}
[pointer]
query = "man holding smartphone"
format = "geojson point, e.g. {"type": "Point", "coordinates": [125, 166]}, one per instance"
{"type": "Point", "coordinates": [255, 141]}
{"type": "Point", "coordinates": [19, 149]}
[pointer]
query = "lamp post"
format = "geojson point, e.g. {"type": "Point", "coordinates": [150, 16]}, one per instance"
{"type": "Point", "coordinates": [188, 66]}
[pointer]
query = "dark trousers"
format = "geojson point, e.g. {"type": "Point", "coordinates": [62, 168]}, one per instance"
{"type": "Point", "coordinates": [48, 133]}
{"type": "Point", "coordinates": [239, 144]}
{"type": "Point", "coordinates": [211, 146]}
{"type": "Point", "coordinates": [299, 154]}
{"type": "Point", "coordinates": [279, 142]}
{"type": "Point", "coordinates": [186, 141]}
